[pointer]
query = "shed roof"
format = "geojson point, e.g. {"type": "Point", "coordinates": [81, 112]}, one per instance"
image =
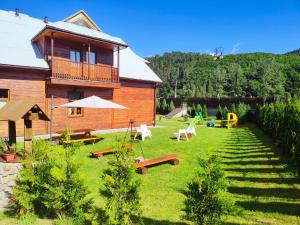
{"type": "Point", "coordinates": [16, 110]}
{"type": "Point", "coordinates": [17, 48]}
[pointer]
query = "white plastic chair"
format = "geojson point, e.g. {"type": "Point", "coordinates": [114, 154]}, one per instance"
{"type": "Point", "coordinates": [143, 131]}
{"type": "Point", "coordinates": [191, 129]}
{"type": "Point", "coordinates": [181, 132]}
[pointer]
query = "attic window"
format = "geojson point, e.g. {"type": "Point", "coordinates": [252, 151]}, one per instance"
{"type": "Point", "coordinates": [82, 23]}
{"type": "Point", "coordinates": [4, 95]}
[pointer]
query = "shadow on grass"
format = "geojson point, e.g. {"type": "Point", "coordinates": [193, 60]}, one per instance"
{"type": "Point", "coordinates": [257, 170]}
{"type": "Point", "coordinates": [150, 221]}
{"type": "Point", "coordinates": [266, 180]}
{"type": "Point", "coordinates": [291, 193]}
{"type": "Point", "coordinates": [292, 209]}
{"type": "Point", "coordinates": [254, 162]}
{"type": "Point", "coordinates": [256, 156]}
{"type": "Point", "coordinates": [241, 152]}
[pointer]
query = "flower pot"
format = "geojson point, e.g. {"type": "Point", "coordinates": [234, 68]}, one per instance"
{"type": "Point", "coordinates": [9, 157]}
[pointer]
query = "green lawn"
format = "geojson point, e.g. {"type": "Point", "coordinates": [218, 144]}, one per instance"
{"type": "Point", "coordinates": [265, 191]}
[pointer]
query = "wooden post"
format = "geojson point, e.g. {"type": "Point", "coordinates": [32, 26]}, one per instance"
{"type": "Point", "coordinates": [154, 110]}
{"type": "Point", "coordinates": [118, 64]}
{"type": "Point", "coordinates": [52, 49]}
{"type": "Point", "coordinates": [28, 136]}
{"type": "Point", "coordinates": [12, 133]}
{"type": "Point", "coordinates": [89, 59]}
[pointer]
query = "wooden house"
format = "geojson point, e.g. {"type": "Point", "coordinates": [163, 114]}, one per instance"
{"type": "Point", "coordinates": [58, 62]}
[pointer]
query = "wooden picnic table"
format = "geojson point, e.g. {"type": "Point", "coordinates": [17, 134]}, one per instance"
{"type": "Point", "coordinates": [86, 132]}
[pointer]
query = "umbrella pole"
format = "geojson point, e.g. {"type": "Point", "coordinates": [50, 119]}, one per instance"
{"type": "Point", "coordinates": [51, 117]}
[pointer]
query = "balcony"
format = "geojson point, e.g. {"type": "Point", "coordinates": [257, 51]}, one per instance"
{"type": "Point", "coordinates": [67, 72]}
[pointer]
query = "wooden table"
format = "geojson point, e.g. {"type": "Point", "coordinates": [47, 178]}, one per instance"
{"type": "Point", "coordinates": [86, 132]}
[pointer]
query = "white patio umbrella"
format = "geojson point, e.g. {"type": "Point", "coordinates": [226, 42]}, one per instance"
{"type": "Point", "coordinates": [93, 102]}
{"type": "Point", "coordinates": [89, 102]}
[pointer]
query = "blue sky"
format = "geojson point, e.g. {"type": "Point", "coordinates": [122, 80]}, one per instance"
{"type": "Point", "coordinates": [156, 26]}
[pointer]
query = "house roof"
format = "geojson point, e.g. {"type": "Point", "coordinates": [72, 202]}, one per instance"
{"type": "Point", "coordinates": [135, 67]}
{"type": "Point", "coordinates": [16, 110]}
{"type": "Point", "coordinates": [18, 49]}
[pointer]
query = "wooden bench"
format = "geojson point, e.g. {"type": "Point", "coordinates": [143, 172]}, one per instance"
{"type": "Point", "coordinates": [85, 132]}
{"type": "Point", "coordinates": [101, 152]}
{"type": "Point", "coordinates": [142, 166]}
{"type": "Point", "coordinates": [85, 140]}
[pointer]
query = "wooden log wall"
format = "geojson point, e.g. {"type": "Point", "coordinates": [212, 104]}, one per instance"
{"type": "Point", "coordinates": [137, 96]}
{"type": "Point", "coordinates": [27, 86]}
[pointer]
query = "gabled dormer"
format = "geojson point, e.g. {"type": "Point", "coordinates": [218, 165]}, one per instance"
{"type": "Point", "coordinates": [82, 19]}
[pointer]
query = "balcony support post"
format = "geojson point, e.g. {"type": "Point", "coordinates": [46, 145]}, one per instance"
{"type": "Point", "coordinates": [89, 59]}
{"type": "Point", "coordinates": [118, 64]}
{"type": "Point", "coordinates": [52, 49]}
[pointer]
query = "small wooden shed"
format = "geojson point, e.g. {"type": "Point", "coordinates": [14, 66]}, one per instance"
{"type": "Point", "coordinates": [26, 110]}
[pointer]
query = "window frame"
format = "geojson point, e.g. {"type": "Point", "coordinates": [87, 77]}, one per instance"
{"type": "Point", "coordinates": [75, 53]}
{"type": "Point", "coordinates": [75, 108]}
{"type": "Point", "coordinates": [86, 57]}
{"type": "Point", "coordinates": [8, 95]}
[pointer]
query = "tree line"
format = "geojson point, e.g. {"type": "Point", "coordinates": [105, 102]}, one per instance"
{"type": "Point", "coordinates": [193, 75]}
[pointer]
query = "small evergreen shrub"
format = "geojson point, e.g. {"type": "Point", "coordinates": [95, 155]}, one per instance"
{"type": "Point", "coordinates": [121, 190]}
{"type": "Point", "coordinates": [233, 108]}
{"type": "Point", "coordinates": [199, 108]}
{"type": "Point", "coordinates": [224, 113]}
{"type": "Point", "coordinates": [164, 107]}
{"type": "Point", "coordinates": [157, 103]}
{"type": "Point", "coordinates": [171, 106]}
{"type": "Point", "coordinates": [219, 113]}
{"type": "Point", "coordinates": [207, 199]}
{"type": "Point", "coordinates": [189, 111]}
{"type": "Point", "coordinates": [204, 111]}
{"type": "Point", "coordinates": [193, 111]}
{"type": "Point", "coordinates": [50, 185]}
{"type": "Point", "coordinates": [243, 111]}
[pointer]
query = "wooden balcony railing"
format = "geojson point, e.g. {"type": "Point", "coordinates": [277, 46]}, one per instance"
{"type": "Point", "coordinates": [66, 69]}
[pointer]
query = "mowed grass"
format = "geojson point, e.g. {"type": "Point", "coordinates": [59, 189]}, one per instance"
{"type": "Point", "coordinates": [265, 191]}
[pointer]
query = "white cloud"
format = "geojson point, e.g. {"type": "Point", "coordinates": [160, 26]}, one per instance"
{"type": "Point", "coordinates": [236, 48]}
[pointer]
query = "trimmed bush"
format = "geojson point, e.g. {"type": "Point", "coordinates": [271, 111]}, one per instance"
{"type": "Point", "coordinates": [198, 108]}
{"type": "Point", "coordinates": [207, 199]}
{"type": "Point", "coordinates": [204, 112]}
{"type": "Point", "coordinates": [164, 107]}
{"type": "Point", "coordinates": [233, 108]}
{"type": "Point", "coordinates": [171, 106]}
{"type": "Point", "coordinates": [243, 112]}
{"type": "Point", "coordinates": [281, 121]}
{"type": "Point", "coordinates": [121, 191]}
{"type": "Point", "coordinates": [219, 113]}
{"type": "Point", "coordinates": [224, 113]}
{"type": "Point", "coordinates": [157, 105]}
{"type": "Point", "coordinates": [51, 186]}
{"type": "Point", "coordinates": [193, 111]}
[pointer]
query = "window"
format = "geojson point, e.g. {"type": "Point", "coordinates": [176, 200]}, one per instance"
{"type": "Point", "coordinates": [75, 55]}
{"type": "Point", "coordinates": [4, 97]}
{"type": "Point", "coordinates": [92, 57]}
{"type": "Point", "coordinates": [75, 111]}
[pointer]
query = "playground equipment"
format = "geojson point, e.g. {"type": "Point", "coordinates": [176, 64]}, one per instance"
{"type": "Point", "coordinates": [198, 119]}
{"type": "Point", "coordinates": [210, 124]}
{"type": "Point", "coordinates": [231, 122]}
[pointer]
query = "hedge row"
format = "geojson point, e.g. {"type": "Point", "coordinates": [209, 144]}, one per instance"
{"type": "Point", "coordinates": [282, 122]}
